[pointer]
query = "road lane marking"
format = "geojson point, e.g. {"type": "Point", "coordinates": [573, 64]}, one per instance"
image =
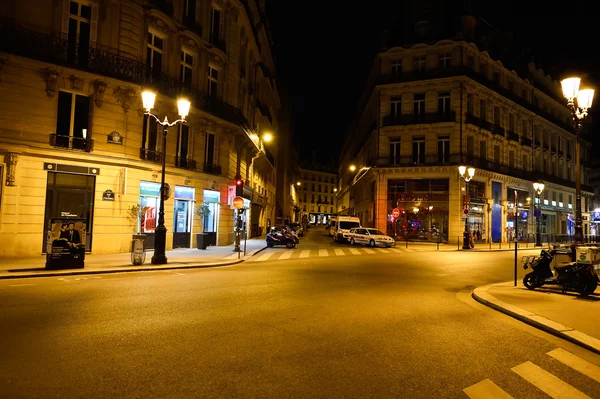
{"type": "Point", "coordinates": [20, 285]}
{"type": "Point", "coordinates": [369, 251]}
{"type": "Point", "coordinates": [264, 257]}
{"type": "Point", "coordinates": [338, 252]}
{"type": "Point", "coordinates": [354, 251]}
{"type": "Point", "coordinates": [323, 252]}
{"type": "Point", "coordinates": [486, 389]}
{"type": "Point", "coordinates": [305, 253]}
{"type": "Point", "coordinates": [385, 251]}
{"type": "Point", "coordinates": [547, 382]}
{"type": "Point", "coordinates": [576, 363]}
{"type": "Point", "coordinates": [286, 255]}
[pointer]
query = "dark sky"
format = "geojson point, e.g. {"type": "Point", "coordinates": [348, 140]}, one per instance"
{"type": "Point", "coordinates": [323, 53]}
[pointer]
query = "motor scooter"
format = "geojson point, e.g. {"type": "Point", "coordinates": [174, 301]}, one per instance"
{"type": "Point", "coordinates": [275, 237]}
{"type": "Point", "coordinates": [570, 276]}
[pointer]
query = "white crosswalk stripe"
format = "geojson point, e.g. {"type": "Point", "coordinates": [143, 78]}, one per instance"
{"type": "Point", "coordinates": [369, 251]}
{"type": "Point", "coordinates": [286, 255]}
{"type": "Point", "coordinates": [486, 389]}
{"type": "Point", "coordinates": [576, 363]}
{"type": "Point", "coordinates": [354, 251]}
{"type": "Point", "coordinates": [264, 257]}
{"type": "Point", "coordinates": [323, 252]}
{"type": "Point", "coordinates": [339, 252]}
{"type": "Point", "coordinates": [305, 253]}
{"type": "Point", "coordinates": [547, 382]}
{"type": "Point", "coordinates": [385, 251]}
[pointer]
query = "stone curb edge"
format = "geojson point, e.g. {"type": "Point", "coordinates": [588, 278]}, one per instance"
{"type": "Point", "coordinates": [481, 295]}
{"type": "Point", "coordinates": [130, 269]}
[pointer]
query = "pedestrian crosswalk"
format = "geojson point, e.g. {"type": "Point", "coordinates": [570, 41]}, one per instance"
{"type": "Point", "coordinates": [542, 379]}
{"type": "Point", "coordinates": [298, 253]}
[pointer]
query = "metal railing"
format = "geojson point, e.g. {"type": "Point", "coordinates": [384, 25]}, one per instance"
{"type": "Point", "coordinates": [150, 155]}
{"type": "Point", "coordinates": [72, 143]}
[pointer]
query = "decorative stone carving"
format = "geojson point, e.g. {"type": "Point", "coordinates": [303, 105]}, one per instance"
{"type": "Point", "coordinates": [76, 83]}
{"type": "Point", "coordinates": [100, 87]}
{"type": "Point", "coordinates": [3, 60]}
{"type": "Point", "coordinates": [125, 96]}
{"type": "Point", "coordinates": [187, 181]}
{"type": "Point", "coordinates": [190, 43]}
{"type": "Point", "coordinates": [11, 168]}
{"type": "Point", "coordinates": [159, 24]}
{"type": "Point", "coordinates": [51, 82]}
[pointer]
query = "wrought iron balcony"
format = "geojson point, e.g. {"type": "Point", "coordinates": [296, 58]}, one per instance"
{"type": "Point", "coordinates": [498, 130]}
{"type": "Point", "coordinates": [413, 119]}
{"type": "Point", "coordinates": [150, 155]}
{"type": "Point", "coordinates": [185, 163]}
{"type": "Point", "coordinates": [212, 169]}
{"type": "Point", "coordinates": [166, 6]}
{"type": "Point", "coordinates": [218, 42]}
{"type": "Point", "coordinates": [264, 110]}
{"type": "Point", "coordinates": [72, 143]}
{"type": "Point", "coordinates": [480, 123]}
{"type": "Point", "coordinates": [514, 136]}
{"type": "Point", "coordinates": [526, 141]}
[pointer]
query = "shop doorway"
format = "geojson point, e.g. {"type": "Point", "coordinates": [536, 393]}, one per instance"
{"type": "Point", "coordinates": [70, 195]}
{"type": "Point", "coordinates": [182, 225]}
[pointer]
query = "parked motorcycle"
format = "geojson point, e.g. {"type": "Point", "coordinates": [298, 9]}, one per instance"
{"type": "Point", "coordinates": [275, 237]}
{"type": "Point", "coordinates": [571, 276]}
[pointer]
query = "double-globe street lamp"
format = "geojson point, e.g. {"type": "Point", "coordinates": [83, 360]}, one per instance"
{"type": "Point", "coordinates": [467, 174]}
{"type": "Point", "coordinates": [183, 105]}
{"type": "Point", "coordinates": [578, 101]}
{"type": "Point", "coordinates": [538, 187]}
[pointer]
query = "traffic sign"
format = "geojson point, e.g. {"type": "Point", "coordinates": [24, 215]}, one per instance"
{"type": "Point", "coordinates": [396, 212]}
{"type": "Point", "coordinates": [466, 211]}
{"type": "Point", "coordinates": [237, 202]}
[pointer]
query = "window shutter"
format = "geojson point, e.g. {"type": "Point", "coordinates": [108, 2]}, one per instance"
{"type": "Point", "coordinates": [94, 25]}
{"type": "Point", "coordinates": [198, 10]}
{"type": "Point", "coordinates": [65, 18]}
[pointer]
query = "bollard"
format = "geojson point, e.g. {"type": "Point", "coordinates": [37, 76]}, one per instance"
{"type": "Point", "coordinates": [516, 249]}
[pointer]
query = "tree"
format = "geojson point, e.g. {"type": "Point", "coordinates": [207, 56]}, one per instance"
{"type": "Point", "coordinates": [202, 210]}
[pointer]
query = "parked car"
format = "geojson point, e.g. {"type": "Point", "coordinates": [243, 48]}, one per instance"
{"type": "Point", "coordinates": [371, 237]}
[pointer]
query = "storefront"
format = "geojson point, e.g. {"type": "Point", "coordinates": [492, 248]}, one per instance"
{"type": "Point", "coordinates": [517, 215]}
{"type": "Point", "coordinates": [210, 219]}
{"type": "Point", "coordinates": [477, 216]}
{"type": "Point", "coordinates": [319, 219]}
{"type": "Point", "coordinates": [149, 206]}
{"type": "Point", "coordinates": [422, 209]}
{"type": "Point", "coordinates": [595, 223]}
{"type": "Point", "coordinates": [70, 196]}
{"type": "Point", "coordinates": [182, 216]}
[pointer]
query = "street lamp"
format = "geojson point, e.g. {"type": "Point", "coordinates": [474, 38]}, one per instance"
{"type": "Point", "coordinates": [578, 101]}
{"type": "Point", "coordinates": [298, 183]}
{"type": "Point", "coordinates": [183, 105]}
{"type": "Point", "coordinates": [352, 168]}
{"type": "Point", "coordinates": [267, 137]}
{"type": "Point", "coordinates": [467, 174]}
{"type": "Point", "coordinates": [538, 187]}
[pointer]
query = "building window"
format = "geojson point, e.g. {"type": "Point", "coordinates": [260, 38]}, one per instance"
{"type": "Point", "coordinates": [418, 150]}
{"type": "Point", "coordinates": [444, 149]}
{"type": "Point", "coordinates": [511, 122]}
{"type": "Point", "coordinates": [497, 116]}
{"type": "Point", "coordinates": [525, 162]}
{"type": "Point", "coordinates": [213, 81]}
{"type": "Point", "coordinates": [483, 150]}
{"type": "Point", "coordinates": [483, 110]}
{"type": "Point", "coordinates": [511, 159]}
{"type": "Point", "coordinates": [497, 154]}
{"type": "Point", "coordinates": [444, 103]}
{"type": "Point", "coordinates": [72, 120]}
{"type": "Point", "coordinates": [419, 104]}
{"type": "Point", "coordinates": [182, 145]}
{"type": "Point", "coordinates": [396, 107]}
{"type": "Point", "coordinates": [190, 11]}
{"type": "Point", "coordinates": [470, 62]}
{"type": "Point", "coordinates": [154, 54]}
{"type": "Point", "coordinates": [186, 68]}
{"type": "Point", "coordinates": [419, 64]}
{"type": "Point", "coordinates": [216, 24]}
{"type": "Point", "coordinates": [470, 147]}
{"type": "Point", "coordinates": [470, 103]}
{"type": "Point", "coordinates": [525, 131]}
{"type": "Point", "coordinates": [79, 32]}
{"type": "Point", "coordinates": [397, 68]}
{"type": "Point", "coordinates": [211, 155]}
{"type": "Point", "coordinates": [395, 151]}
{"type": "Point", "coordinates": [445, 60]}
{"type": "Point", "coordinates": [149, 134]}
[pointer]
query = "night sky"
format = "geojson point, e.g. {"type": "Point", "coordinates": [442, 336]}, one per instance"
{"type": "Point", "coordinates": [323, 54]}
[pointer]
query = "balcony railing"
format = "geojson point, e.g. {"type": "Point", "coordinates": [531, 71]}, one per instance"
{"type": "Point", "coordinates": [526, 141]}
{"type": "Point", "coordinates": [480, 123]}
{"type": "Point", "coordinates": [514, 136]}
{"type": "Point", "coordinates": [498, 130]}
{"type": "Point", "coordinates": [72, 143]}
{"type": "Point", "coordinates": [212, 169]}
{"type": "Point", "coordinates": [150, 155]}
{"type": "Point", "coordinates": [413, 119]}
{"type": "Point", "coordinates": [264, 110]}
{"type": "Point", "coordinates": [218, 43]}
{"type": "Point", "coordinates": [185, 163]}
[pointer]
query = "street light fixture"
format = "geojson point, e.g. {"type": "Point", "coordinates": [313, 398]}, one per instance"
{"type": "Point", "coordinates": [298, 183]}
{"type": "Point", "coordinates": [578, 101]}
{"type": "Point", "coordinates": [183, 105]}
{"type": "Point", "coordinates": [267, 137]}
{"type": "Point", "coordinates": [467, 174]}
{"type": "Point", "coordinates": [352, 168]}
{"type": "Point", "coordinates": [538, 187]}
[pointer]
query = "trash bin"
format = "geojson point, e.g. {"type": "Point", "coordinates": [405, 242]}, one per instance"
{"type": "Point", "coordinates": [202, 240]}
{"type": "Point", "coordinates": [138, 255]}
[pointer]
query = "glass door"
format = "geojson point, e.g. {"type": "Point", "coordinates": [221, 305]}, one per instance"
{"type": "Point", "coordinates": [182, 225]}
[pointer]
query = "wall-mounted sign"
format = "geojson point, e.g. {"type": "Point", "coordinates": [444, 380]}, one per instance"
{"type": "Point", "coordinates": [114, 138]}
{"type": "Point", "coordinates": [149, 189]}
{"type": "Point", "coordinates": [184, 193]}
{"type": "Point", "coordinates": [108, 195]}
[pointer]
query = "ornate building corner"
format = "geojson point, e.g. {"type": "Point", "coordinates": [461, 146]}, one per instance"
{"type": "Point", "coordinates": [3, 61]}
{"type": "Point", "coordinates": [125, 97]}
{"type": "Point", "coordinates": [76, 83]}
{"type": "Point", "coordinates": [51, 82]}
{"type": "Point", "coordinates": [99, 88]}
{"type": "Point", "coordinates": [11, 168]}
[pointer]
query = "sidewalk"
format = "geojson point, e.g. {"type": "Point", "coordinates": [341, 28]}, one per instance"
{"type": "Point", "coordinates": [114, 263]}
{"type": "Point", "coordinates": [565, 315]}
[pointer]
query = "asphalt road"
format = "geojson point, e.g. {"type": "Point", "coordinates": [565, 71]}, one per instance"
{"type": "Point", "coordinates": [398, 325]}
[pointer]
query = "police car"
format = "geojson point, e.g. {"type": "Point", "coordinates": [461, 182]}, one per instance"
{"type": "Point", "coordinates": [371, 237]}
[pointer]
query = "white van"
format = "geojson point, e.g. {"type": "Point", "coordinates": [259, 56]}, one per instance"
{"type": "Point", "coordinates": [343, 225]}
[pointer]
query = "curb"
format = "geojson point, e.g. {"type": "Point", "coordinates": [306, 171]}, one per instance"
{"type": "Point", "coordinates": [497, 250]}
{"type": "Point", "coordinates": [80, 272]}
{"type": "Point", "coordinates": [481, 295]}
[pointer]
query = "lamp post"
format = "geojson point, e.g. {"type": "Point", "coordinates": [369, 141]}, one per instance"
{"type": "Point", "coordinates": [578, 101]}
{"type": "Point", "coordinates": [467, 174]}
{"type": "Point", "coordinates": [538, 187]}
{"type": "Point", "coordinates": [183, 105]}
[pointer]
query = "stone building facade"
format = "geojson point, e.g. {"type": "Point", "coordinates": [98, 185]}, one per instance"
{"type": "Point", "coordinates": [429, 108]}
{"type": "Point", "coordinates": [316, 193]}
{"type": "Point", "coordinates": [75, 143]}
